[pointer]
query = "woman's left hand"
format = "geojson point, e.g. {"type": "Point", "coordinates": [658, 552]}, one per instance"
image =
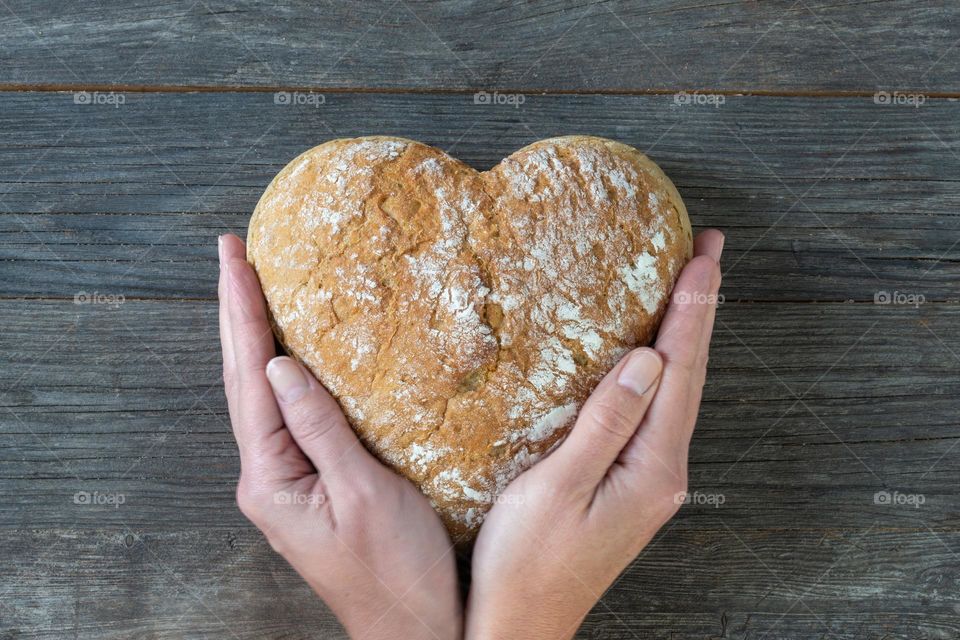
{"type": "Point", "coordinates": [565, 528]}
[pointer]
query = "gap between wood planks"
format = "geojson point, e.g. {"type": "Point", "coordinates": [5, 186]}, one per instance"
{"type": "Point", "coordinates": [200, 88]}
{"type": "Point", "coordinates": [188, 299]}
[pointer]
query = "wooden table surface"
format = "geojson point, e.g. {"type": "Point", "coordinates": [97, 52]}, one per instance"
{"type": "Point", "coordinates": [823, 138]}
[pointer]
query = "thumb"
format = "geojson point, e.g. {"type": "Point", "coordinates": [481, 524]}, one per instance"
{"type": "Point", "coordinates": [313, 417]}
{"type": "Point", "coordinates": [610, 416]}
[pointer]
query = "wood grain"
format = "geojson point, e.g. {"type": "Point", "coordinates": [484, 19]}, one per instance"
{"type": "Point", "coordinates": [202, 583]}
{"type": "Point", "coordinates": [576, 45]}
{"type": "Point", "coordinates": [824, 465]}
{"type": "Point", "coordinates": [125, 400]}
{"type": "Point", "coordinates": [822, 199]}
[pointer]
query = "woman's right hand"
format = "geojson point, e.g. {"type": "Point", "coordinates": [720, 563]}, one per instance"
{"type": "Point", "coordinates": [365, 539]}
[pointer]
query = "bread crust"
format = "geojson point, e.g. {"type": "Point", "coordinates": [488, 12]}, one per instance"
{"type": "Point", "coordinates": [461, 318]}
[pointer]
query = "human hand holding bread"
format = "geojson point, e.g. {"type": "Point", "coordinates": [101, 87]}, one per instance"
{"type": "Point", "coordinates": [564, 529]}
{"type": "Point", "coordinates": [365, 539]}
{"type": "Point", "coordinates": [525, 310]}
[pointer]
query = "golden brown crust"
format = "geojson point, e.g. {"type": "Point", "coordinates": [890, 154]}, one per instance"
{"type": "Point", "coordinates": [461, 318]}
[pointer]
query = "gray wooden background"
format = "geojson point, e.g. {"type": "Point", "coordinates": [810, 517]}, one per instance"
{"type": "Point", "coordinates": [822, 137]}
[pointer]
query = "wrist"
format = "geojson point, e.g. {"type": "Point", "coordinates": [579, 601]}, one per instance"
{"type": "Point", "coordinates": [513, 617]}
{"type": "Point", "coordinates": [397, 621]}
{"type": "Point", "coordinates": [373, 611]}
{"type": "Point", "coordinates": [530, 626]}
{"type": "Point", "coordinates": [382, 616]}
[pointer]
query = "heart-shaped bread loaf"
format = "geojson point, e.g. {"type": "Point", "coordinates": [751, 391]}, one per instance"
{"type": "Point", "coordinates": [461, 318]}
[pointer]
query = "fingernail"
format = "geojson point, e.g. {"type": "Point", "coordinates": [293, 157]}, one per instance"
{"type": "Point", "coordinates": [220, 250]}
{"type": "Point", "coordinates": [287, 379]}
{"type": "Point", "coordinates": [717, 250]}
{"type": "Point", "coordinates": [640, 371]}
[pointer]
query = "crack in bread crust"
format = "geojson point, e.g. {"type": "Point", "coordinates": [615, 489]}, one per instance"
{"type": "Point", "coordinates": [462, 318]}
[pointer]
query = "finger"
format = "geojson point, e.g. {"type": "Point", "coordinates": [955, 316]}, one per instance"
{"type": "Point", "coordinates": [671, 449]}
{"type": "Point", "coordinates": [314, 418]}
{"type": "Point", "coordinates": [609, 417]}
{"type": "Point", "coordinates": [679, 341]}
{"type": "Point", "coordinates": [256, 419]}
{"type": "Point", "coordinates": [709, 243]}
{"type": "Point", "coordinates": [224, 249]}
{"type": "Point", "coordinates": [230, 247]}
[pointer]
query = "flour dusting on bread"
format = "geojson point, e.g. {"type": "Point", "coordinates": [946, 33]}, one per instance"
{"type": "Point", "coordinates": [462, 318]}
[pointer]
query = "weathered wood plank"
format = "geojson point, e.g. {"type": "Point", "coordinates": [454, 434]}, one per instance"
{"type": "Point", "coordinates": [725, 582]}
{"type": "Point", "coordinates": [799, 624]}
{"type": "Point", "coordinates": [562, 44]}
{"type": "Point", "coordinates": [194, 583]}
{"type": "Point", "coordinates": [809, 411]}
{"type": "Point", "coordinates": [822, 199]}
{"type": "Point", "coordinates": [93, 352]}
